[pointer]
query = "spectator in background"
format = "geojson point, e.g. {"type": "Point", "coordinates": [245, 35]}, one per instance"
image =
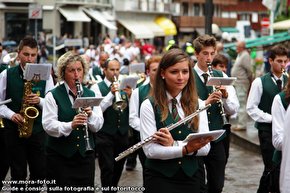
{"type": "Point", "coordinates": [43, 54]}
{"type": "Point", "coordinates": [243, 71]}
{"type": "Point", "coordinates": [220, 50]}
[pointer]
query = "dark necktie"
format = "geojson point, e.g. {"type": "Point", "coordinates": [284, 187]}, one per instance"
{"type": "Point", "coordinates": [205, 76]}
{"type": "Point", "coordinates": [279, 84]}
{"type": "Point", "coordinates": [174, 110]}
{"type": "Point", "coordinates": [72, 94]}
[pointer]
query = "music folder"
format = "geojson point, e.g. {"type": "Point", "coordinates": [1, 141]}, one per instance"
{"type": "Point", "coordinates": [215, 134]}
{"type": "Point", "coordinates": [221, 81]}
{"type": "Point", "coordinates": [87, 102]}
{"type": "Point", "coordinates": [37, 72]}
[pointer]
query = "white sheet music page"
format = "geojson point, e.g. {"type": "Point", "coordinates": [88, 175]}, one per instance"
{"type": "Point", "coordinates": [37, 71]}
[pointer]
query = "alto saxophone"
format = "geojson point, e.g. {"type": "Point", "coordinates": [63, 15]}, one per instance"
{"type": "Point", "coordinates": [29, 113]}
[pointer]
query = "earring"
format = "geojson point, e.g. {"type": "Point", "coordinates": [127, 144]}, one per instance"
{"type": "Point", "coordinates": [163, 77]}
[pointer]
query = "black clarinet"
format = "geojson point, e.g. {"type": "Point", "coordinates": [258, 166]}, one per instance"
{"type": "Point", "coordinates": [88, 147]}
{"type": "Point", "coordinates": [226, 124]}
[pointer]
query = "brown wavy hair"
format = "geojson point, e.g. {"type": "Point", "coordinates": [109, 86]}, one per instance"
{"type": "Point", "coordinates": [189, 98]}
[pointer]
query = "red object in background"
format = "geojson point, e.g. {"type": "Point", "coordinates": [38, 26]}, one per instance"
{"type": "Point", "coordinates": [265, 22]}
{"type": "Point", "coordinates": [147, 49]}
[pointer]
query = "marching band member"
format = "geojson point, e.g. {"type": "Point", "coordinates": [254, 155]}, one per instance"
{"type": "Point", "coordinates": [68, 163]}
{"type": "Point", "coordinates": [171, 165]}
{"type": "Point", "coordinates": [260, 99]}
{"type": "Point", "coordinates": [225, 100]}
{"type": "Point", "coordinates": [138, 96]}
{"type": "Point", "coordinates": [23, 151]}
{"type": "Point", "coordinates": [112, 139]}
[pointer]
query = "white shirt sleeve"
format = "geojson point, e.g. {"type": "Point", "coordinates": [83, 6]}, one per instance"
{"type": "Point", "coordinates": [254, 99]}
{"type": "Point", "coordinates": [5, 112]}
{"type": "Point", "coordinates": [48, 86]}
{"type": "Point", "coordinates": [108, 99]}
{"type": "Point", "coordinates": [285, 166]}
{"type": "Point", "coordinates": [134, 120]}
{"type": "Point", "coordinates": [278, 117]}
{"type": "Point", "coordinates": [157, 151]}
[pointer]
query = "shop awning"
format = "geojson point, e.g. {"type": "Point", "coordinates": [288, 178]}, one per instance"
{"type": "Point", "coordinates": [263, 41]}
{"type": "Point", "coordinates": [156, 29]}
{"type": "Point", "coordinates": [139, 30]}
{"type": "Point", "coordinates": [282, 25]}
{"type": "Point", "coordinates": [167, 25]}
{"type": "Point", "coordinates": [97, 16]}
{"type": "Point", "coordinates": [229, 29]}
{"type": "Point", "coordinates": [74, 14]}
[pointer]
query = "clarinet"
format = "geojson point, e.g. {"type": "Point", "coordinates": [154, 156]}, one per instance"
{"type": "Point", "coordinates": [149, 139]}
{"type": "Point", "coordinates": [88, 148]}
{"type": "Point", "coordinates": [226, 124]}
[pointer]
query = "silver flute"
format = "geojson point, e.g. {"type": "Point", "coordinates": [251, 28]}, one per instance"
{"type": "Point", "coordinates": [149, 139]}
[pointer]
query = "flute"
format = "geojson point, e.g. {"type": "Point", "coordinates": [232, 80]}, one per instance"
{"type": "Point", "coordinates": [149, 139]}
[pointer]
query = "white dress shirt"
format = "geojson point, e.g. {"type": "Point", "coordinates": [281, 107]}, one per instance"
{"type": "Point", "coordinates": [108, 99]}
{"type": "Point", "coordinates": [254, 99]}
{"type": "Point", "coordinates": [7, 113]}
{"type": "Point", "coordinates": [231, 104]}
{"type": "Point", "coordinates": [278, 117]}
{"type": "Point", "coordinates": [285, 164]}
{"type": "Point", "coordinates": [148, 128]}
{"type": "Point", "coordinates": [134, 117]}
{"type": "Point", "coordinates": [56, 128]}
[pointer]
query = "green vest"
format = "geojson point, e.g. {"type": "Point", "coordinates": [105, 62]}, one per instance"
{"type": "Point", "coordinates": [114, 121]}
{"type": "Point", "coordinates": [14, 90]}
{"type": "Point", "coordinates": [75, 142]}
{"type": "Point", "coordinates": [284, 102]}
{"type": "Point", "coordinates": [97, 71]}
{"type": "Point", "coordinates": [214, 115]}
{"type": "Point", "coordinates": [270, 89]}
{"type": "Point", "coordinates": [143, 93]}
{"type": "Point", "coordinates": [3, 67]}
{"type": "Point", "coordinates": [277, 157]}
{"type": "Point", "coordinates": [170, 167]}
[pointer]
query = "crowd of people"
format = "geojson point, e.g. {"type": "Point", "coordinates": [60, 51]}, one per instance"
{"type": "Point", "coordinates": [65, 142]}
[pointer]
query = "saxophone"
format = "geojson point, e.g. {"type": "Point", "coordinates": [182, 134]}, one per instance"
{"type": "Point", "coordinates": [29, 113]}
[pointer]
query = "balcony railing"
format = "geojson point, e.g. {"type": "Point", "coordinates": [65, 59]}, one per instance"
{"type": "Point", "coordinates": [222, 2]}
{"type": "Point", "coordinates": [103, 2]}
{"type": "Point", "coordinates": [195, 21]}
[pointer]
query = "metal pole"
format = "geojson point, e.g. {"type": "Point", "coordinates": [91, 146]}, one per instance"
{"type": "Point", "coordinates": [208, 16]}
{"type": "Point", "coordinates": [54, 34]}
{"type": "Point", "coordinates": [35, 29]}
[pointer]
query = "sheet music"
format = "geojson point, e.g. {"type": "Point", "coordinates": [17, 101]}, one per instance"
{"type": "Point", "coordinates": [37, 71]}
{"type": "Point", "coordinates": [130, 81]}
{"type": "Point", "coordinates": [137, 68]}
{"type": "Point", "coordinates": [87, 102]}
{"type": "Point", "coordinates": [221, 81]}
{"type": "Point", "coordinates": [215, 134]}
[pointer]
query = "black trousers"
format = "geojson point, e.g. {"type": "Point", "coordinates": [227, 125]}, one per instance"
{"type": "Point", "coordinates": [134, 138]}
{"type": "Point", "coordinates": [156, 182]}
{"type": "Point", "coordinates": [267, 151]}
{"type": "Point", "coordinates": [109, 147]}
{"type": "Point", "coordinates": [215, 164]}
{"type": "Point", "coordinates": [4, 165]}
{"type": "Point", "coordinates": [69, 173]}
{"type": "Point", "coordinates": [23, 151]}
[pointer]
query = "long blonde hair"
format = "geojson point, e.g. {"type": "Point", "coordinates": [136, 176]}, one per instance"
{"type": "Point", "coordinates": [189, 99]}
